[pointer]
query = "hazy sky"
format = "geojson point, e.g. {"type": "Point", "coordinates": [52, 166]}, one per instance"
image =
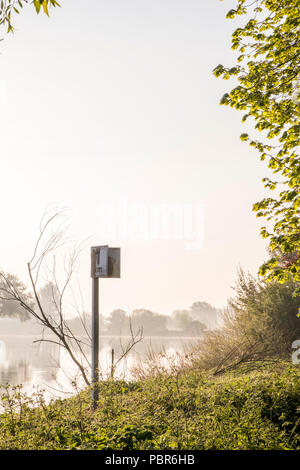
{"type": "Point", "coordinates": [113, 103]}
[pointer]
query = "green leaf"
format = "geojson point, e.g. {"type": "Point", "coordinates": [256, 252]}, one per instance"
{"type": "Point", "coordinates": [45, 7]}
{"type": "Point", "coordinates": [37, 5]}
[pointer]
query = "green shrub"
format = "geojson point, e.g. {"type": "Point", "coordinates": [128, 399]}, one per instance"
{"type": "Point", "coordinates": [187, 410]}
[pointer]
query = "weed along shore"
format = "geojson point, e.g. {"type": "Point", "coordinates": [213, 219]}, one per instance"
{"type": "Point", "coordinates": [245, 409]}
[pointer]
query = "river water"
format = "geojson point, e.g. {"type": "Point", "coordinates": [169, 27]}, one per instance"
{"type": "Point", "coordinates": [47, 365]}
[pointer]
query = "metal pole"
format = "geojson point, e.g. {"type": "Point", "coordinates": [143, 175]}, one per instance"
{"type": "Point", "coordinates": [112, 363]}
{"type": "Point", "coordinates": [95, 342]}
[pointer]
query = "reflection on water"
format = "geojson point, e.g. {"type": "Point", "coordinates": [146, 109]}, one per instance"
{"type": "Point", "coordinates": [22, 361]}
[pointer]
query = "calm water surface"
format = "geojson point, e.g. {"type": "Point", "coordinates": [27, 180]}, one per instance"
{"type": "Point", "coordinates": [47, 365]}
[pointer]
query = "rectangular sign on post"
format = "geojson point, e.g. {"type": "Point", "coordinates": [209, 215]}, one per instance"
{"type": "Point", "coordinates": [114, 262]}
{"type": "Point", "coordinates": [105, 262]}
{"type": "Point", "coordinates": [101, 267]}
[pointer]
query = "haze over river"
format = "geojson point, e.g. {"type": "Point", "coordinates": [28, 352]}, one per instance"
{"type": "Point", "coordinates": [47, 365]}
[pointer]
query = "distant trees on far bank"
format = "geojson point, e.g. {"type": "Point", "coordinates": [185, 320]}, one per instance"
{"type": "Point", "coordinates": [189, 322]}
{"type": "Point", "coordinates": [9, 306]}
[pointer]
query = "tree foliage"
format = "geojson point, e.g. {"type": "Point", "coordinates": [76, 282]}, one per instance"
{"type": "Point", "coordinates": [10, 7]}
{"type": "Point", "coordinates": [266, 312]}
{"type": "Point", "coordinates": [260, 324]}
{"type": "Point", "coordinates": [9, 306]}
{"type": "Point", "coordinates": [268, 91]}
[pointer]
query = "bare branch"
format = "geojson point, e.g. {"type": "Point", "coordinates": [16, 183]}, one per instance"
{"type": "Point", "coordinates": [134, 340]}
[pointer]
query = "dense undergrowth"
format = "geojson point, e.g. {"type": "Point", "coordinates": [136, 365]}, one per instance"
{"type": "Point", "coordinates": [258, 409]}
{"type": "Point", "coordinates": [237, 389]}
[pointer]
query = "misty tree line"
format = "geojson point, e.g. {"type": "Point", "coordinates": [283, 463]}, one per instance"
{"type": "Point", "coordinates": [11, 308]}
{"type": "Point", "coordinates": [191, 322]}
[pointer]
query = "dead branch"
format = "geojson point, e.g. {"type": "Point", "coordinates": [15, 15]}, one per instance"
{"type": "Point", "coordinates": [46, 244]}
{"type": "Point", "coordinates": [135, 338]}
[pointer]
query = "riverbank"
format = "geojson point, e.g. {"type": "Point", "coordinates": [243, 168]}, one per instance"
{"type": "Point", "coordinates": [258, 409]}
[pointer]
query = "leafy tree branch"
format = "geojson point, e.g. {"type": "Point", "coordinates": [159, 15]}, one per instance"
{"type": "Point", "coordinates": [268, 72]}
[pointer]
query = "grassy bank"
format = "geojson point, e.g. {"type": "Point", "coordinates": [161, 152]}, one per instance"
{"type": "Point", "coordinates": [188, 410]}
